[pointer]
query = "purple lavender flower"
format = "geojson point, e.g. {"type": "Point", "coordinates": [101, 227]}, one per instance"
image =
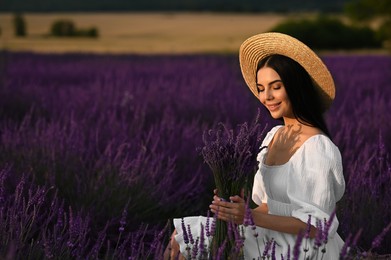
{"type": "Point", "coordinates": [273, 255]}
{"type": "Point", "coordinates": [157, 244]}
{"type": "Point", "coordinates": [356, 237]}
{"type": "Point", "coordinates": [185, 235]}
{"type": "Point", "coordinates": [238, 238]}
{"type": "Point", "coordinates": [307, 236]}
{"type": "Point", "coordinates": [296, 248]}
{"type": "Point", "coordinates": [98, 245]}
{"type": "Point", "coordinates": [207, 224]}
{"type": "Point", "coordinates": [191, 239]}
{"type": "Point", "coordinates": [379, 238]}
{"type": "Point", "coordinates": [194, 251]}
{"type": "Point", "coordinates": [123, 221]}
{"type": "Point", "coordinates": [231, 231]}
{"type": "Point", "coordinates": [231, 155]}
{"type": "Point", "coordinates": [53, 130]}
{"type": "Point", "coordinates": [220, 251]}
{"type": "Point", "coordinates": [19, 189]}
{"type": "Point", "coordinates": [3, 175]}
{"type": "Point", "coordinates": [319, 234]}
{"type": "Point", "coordinates": [248, 218]}
{"type": "Point", "coordinates": [344, 250]}
{"type": "Point", "coordinates": [267, 248]}
{"type": "Point", "coordinates": [308, 230]}
{"type": "Point", "coordinates": [213, 226]}
{"type": "Point", "coordinates": [327, 225]}
{"type": "Point", "coordinates": [202, 241]}
{"type": "Point", "coordinates": [60, 216]}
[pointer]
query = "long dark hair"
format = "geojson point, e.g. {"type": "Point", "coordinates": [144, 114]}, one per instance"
{"type": "Point", "coordinates": [302, 93]}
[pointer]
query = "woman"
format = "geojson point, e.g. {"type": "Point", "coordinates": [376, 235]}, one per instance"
{"type": "Point", "coordinates": [300, 178]}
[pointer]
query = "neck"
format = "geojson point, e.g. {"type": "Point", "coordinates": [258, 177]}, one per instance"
{"type": "Point", "coordinates": [291, 121]}
{"type": "Point", "coordinates": [292, 124]}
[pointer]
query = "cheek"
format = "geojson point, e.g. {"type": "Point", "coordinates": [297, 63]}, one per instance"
{"type": "Point", "coordinates": [261, 98]}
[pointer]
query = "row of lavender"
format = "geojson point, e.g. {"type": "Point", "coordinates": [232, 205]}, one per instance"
{"type": "Point", "coordinates": [97, 152]}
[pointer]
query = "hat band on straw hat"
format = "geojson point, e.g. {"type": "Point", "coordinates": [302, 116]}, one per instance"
{"type": "Point", "coordinates": [260, 46]}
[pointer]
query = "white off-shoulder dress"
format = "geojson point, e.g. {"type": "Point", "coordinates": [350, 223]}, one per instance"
{"type": "Point", "coordinates": [310, 183]}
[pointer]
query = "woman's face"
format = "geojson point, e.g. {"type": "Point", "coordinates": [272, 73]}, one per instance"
{"type": "Point", "coordinates": [272, 93]}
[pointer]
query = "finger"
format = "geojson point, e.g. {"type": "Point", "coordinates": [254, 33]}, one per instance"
{"type": "Point", "coordinates": [215, 191]}
{"type": "Point", "coordinates": [236, 199]}
{"type": "Point", "coordinates": [219, 208]}
{"type": "Point", "coordinates": [223, 209]}
{"type": "Point", "coordinates": [216, 198]}
{"type": "Point", "coordinates": [221, 202]}
{"type": "Point", "coordinates": [224, 216]}
{"type": "Point", "coordinates": [228, 217]}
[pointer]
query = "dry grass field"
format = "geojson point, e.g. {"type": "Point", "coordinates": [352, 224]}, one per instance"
{"type": "Point", "coordinates": [145, 33]}
{"type": "Point", "coordinates": [140, 32]}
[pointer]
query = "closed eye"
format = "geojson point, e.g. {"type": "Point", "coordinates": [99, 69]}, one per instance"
{"type": "Point", "coordinates": [260, 89]}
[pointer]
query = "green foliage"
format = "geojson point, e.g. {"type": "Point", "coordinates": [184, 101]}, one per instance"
{"type": "Point", "coordinates": [63, 28]}
{"type": "Point", "coordinates": [366, 10]}
{"type": "Point", "coordinates": [66, 28]}
{"type": "Point", "coordinates": [384, 31]}
{"type": "Point", "coordinates": [359, 10]}
{"type": "Point", "coordinates": [363, 10]}
{"type": "Point", "coordinates": [329, 33]}
{"type": "Point", "coordinates": [19, 25]}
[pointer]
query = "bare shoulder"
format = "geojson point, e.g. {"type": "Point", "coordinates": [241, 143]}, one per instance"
{"type": "Point", "coordinates": [311, 131]}
{"type": "Point", "coordinates": [308, 132]}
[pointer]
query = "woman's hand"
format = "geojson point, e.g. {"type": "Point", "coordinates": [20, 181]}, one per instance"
{"type": "Point", "coordinates": [232, 210]}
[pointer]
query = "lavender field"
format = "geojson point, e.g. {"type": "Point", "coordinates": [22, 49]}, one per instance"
{"type": "Point", "coordinates": [99, 152]}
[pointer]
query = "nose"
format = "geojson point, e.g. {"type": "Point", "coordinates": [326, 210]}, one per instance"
{"type": "Point", "coordinates": [268, 94]}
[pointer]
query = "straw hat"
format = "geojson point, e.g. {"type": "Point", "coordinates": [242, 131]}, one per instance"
{"type": "Point", "coordinates": [262, 45]}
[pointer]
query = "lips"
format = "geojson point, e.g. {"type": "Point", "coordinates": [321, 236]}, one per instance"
{"type": "Point", "coordinates": [273, 107]}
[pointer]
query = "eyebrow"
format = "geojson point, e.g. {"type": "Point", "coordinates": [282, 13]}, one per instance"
{"type": "Point", "coordinates": [271, 83]}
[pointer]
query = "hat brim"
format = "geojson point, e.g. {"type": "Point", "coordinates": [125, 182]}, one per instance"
{"type": "Point", "coordinates": [259, 46]}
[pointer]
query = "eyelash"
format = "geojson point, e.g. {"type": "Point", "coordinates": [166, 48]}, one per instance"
{"type": "Point", "coordinates": [275, 88]}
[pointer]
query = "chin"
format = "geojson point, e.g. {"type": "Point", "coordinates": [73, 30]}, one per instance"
{"type": "Point", "coordinates": [276, 116]}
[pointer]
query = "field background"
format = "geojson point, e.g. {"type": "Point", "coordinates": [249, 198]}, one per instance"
{"type": "Point", "coordinates": [85, 132]}
{"type": "Point", "coordinates": [141, 32]}
{"type": "Point", "coordinates": [145, 33]}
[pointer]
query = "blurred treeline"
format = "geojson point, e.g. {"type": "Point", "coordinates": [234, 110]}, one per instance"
{"type": "Point", "coordinates": [320, 33]}
{"type": "Point", "coordinates": [59, 28]}
{"type": "Point", "coordinates": [172, 5]}
{"type": "Point", "coordinates": [327, 33]}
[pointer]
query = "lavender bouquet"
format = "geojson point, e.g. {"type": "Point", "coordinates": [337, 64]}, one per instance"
{"type": "Point", "coordinates": [231, 155]}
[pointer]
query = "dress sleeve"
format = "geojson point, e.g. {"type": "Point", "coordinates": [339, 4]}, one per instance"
{"type": "Point", "coordinates": [316, 181]}
{"type": "Point", "coordinates": [259, 192]}
{"type": "Point", "coordinates": [259, 195]}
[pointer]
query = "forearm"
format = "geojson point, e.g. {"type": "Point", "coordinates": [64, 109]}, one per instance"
{"type": "Point", "coordinates": [262, 208]}
{"type": "Point", "coordinates": [285, 224]}
{"type": "Point", "coordinates": [235, 211]}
